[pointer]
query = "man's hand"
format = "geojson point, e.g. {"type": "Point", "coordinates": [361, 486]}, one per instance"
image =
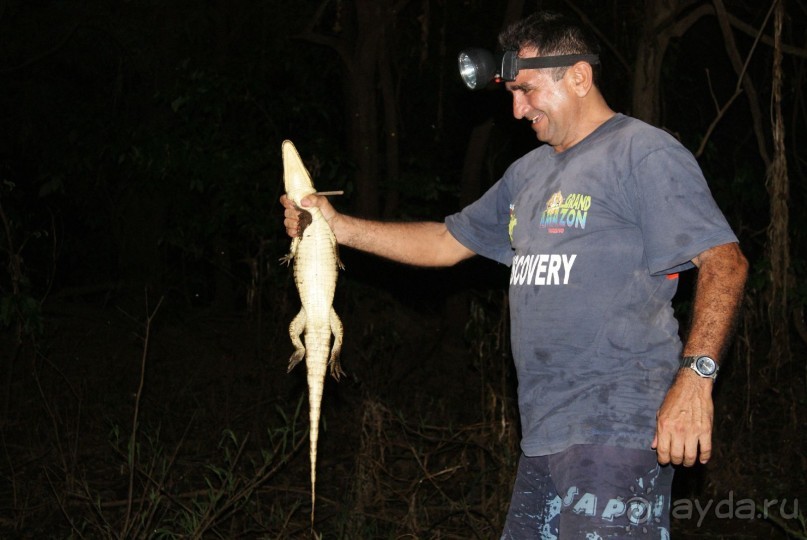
{"type": "Point", "coordinates": [684, 421]}
{"type": "Point", "coordinates": [292, 212]}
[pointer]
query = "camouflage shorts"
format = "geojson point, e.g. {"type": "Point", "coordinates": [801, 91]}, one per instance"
{"type": "Point", "coordinates": [590, 492]}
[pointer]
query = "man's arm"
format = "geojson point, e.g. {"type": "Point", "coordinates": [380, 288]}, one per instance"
{"type": "Point", "coordinates": [685, 417]}
{"type": "Point", "coordinates": [418, 244]}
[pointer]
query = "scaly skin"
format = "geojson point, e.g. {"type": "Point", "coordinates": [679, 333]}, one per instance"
{"type": "Point", "coordinates": [315, 269]}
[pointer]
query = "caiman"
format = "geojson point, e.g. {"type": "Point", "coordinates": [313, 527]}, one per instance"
{"type": "Point", "coordinates": [316, 263]}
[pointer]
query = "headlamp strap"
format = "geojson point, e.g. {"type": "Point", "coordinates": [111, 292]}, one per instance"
{"type": "Point", "coordinates": [561, 60]}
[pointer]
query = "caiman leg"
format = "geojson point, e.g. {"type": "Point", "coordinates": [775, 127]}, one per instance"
{"type": "Point", "coordinates": [287, 258]}
{"type": "Point", "coordinates": [337, 330]}
{"type": "Point", "coordinates": [295, 330]}
{"type": "Point", "coordinates": [305, 220]}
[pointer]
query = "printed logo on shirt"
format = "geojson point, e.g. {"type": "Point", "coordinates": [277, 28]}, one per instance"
{"type": "Point", "coordinates": [513, 222]}
{"type": "Point", "coordinates": [543, 269]}
{"type": "Point", "coordinates": [562, 213]}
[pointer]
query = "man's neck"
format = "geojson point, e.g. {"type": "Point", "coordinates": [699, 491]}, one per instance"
{"type": "Point", "coordinates": [593, 113]}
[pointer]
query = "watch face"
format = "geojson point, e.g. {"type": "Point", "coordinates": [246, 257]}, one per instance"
{"type": "Point", "coordinates": [705, 365]}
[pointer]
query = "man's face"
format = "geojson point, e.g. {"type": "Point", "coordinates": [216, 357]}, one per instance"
{"type": "Point", "coordinates": [549, 105]}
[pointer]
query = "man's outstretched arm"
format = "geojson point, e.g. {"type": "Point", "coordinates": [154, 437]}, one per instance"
{"type": "Point", "coordinates": [418, 243]}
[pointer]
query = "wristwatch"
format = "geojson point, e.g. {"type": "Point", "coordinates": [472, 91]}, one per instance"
{"type": "Point", "coordinates": [705, 366]}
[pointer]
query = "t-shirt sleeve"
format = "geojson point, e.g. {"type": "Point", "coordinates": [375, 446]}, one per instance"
{"type": "Point", "coordinates": [482, 226]}
{"type": "Point", "coordinates": [678, 216]}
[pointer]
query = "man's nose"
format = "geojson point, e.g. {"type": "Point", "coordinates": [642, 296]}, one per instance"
{"type": "Point", "coordinates": [520, 106]}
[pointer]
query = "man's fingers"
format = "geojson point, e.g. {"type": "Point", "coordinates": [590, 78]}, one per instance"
{"type": "Point", "coordinates": [676, 446]}
{"type": "Point", "coordinates": [662, 445]}
{"type": "Point", "coordinates": [291, 216]}
{"type": "Point", "coordinates": [706, 450]}
{"type": "Point", "coordinates": [677, 451]}
{"type": "Point", "coordinates": [697, 446]}
{"type": "Point", "coordinates": [681, 449]}
{"type": "Point", "coordinates": [690, 453]}
{"type": "Point", "coordinates": [292, 212]}
{"type": "Point", "coordinates": [286, 201]}
{"type": "Point", "coordinates": [673, 445]}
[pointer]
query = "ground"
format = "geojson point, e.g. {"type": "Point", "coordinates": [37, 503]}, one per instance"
{"type": "Point", "coordinates": [419, 439]}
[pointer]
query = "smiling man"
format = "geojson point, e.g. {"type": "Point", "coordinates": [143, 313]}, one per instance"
{"type": "Point", "coordinates": [596, 224]}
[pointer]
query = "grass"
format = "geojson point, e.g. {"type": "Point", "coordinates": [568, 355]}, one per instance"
{"type": "Point", "coordinates": [122, 427]}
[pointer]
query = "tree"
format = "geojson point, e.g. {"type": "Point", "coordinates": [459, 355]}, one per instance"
{"type": "Point", "coordinates": [357, 35]}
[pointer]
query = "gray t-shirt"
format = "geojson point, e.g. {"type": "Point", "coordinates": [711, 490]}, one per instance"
{"type": "Point", "coordinates": [595, 236]}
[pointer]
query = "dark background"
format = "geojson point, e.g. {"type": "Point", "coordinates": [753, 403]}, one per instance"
{"type": "Point", "coordinates": [143, 311]}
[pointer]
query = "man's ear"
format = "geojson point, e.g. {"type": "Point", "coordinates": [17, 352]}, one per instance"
{"type": "Point", "coordinates": [581, 78]}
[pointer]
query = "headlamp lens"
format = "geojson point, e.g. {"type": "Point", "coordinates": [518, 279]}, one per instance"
{"type": "Point", "coordinates": [476, 67]}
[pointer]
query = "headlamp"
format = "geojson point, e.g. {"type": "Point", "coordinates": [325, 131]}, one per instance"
{"type": "Point", "coordinates": [478, 66]}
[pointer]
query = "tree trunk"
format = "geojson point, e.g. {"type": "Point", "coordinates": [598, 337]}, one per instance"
{"type": "Point", "coordinates": [362, 122]}
{"type": "Point", "coordinates": [371, 17]}
{"type": "Point", "coordinates": [661, 24]}
{"type": "Point", "coordinates": [389, 103]}
{"type": "Point", "coordinates": [649, 56]}
{"type": "Point", "coordinates": [779, 191]}
{"type": "Point", "coordinates": [472, 167]}
{"type": "Point", "coordinates": [360, 47]}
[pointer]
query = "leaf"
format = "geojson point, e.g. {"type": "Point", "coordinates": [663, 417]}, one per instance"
{"type": "Point", "coordinates": [6, 310]}
{"type": "Point", "coordinates": [178, 103]}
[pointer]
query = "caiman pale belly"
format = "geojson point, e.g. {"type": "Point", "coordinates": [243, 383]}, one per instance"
{"type": "Point", "coordinates": [316, 263]}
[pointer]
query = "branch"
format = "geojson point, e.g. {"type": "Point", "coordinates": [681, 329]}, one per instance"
{"type": "Point", "coordinates": [682, 25]}
{"type": "Point", "coordinates": [743, 81]}
{"type": "Point", "coordinates": [341, 46]}
{"type": "Point", "coordinates": [44, 54]}
{"type": "Point", "coordinates": [672, 15]}
{"type": "Point", "coordinates": [764, 38]}
{"type": "Point", "coordinates": [799, 322]}
{"type": "Point", "coordinates": [745, 28]}
{"type": "Point", "coordinates": [721, 111]}
{"type": "Point", "coordinates": [309, 34]}
{"type": "Point", "coordinates": [14, 267]}
{"type": "Point", "coordinates": [136, 416]}
{"type": "Point", "coordinates": [603, 38]}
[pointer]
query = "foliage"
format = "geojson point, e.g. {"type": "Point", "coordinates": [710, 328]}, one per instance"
{"type": "Point", "coordinates": [174, 501]}
{"type": "Point", "coordinates": [19, 309]}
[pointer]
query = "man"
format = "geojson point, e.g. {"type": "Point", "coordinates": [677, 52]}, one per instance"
{"type": "Point", "coordinates": [596, 224]}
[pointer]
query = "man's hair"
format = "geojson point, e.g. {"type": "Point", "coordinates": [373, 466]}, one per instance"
{"type": "Point", "coordinates": [551, 34]}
